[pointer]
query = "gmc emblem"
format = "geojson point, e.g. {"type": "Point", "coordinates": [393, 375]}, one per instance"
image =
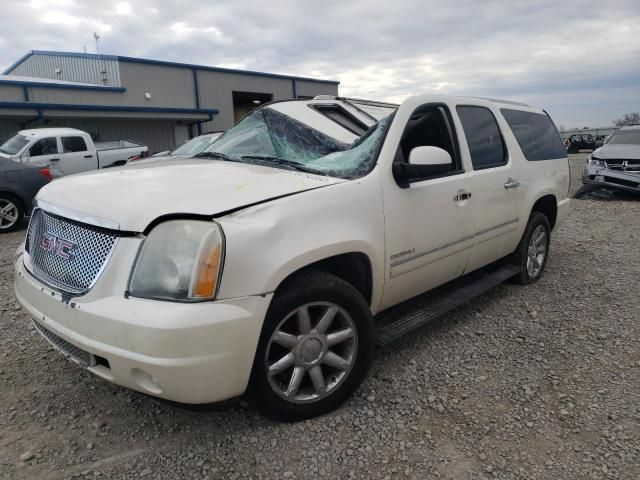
{"type": "Point", "coordinates": [58, 246]}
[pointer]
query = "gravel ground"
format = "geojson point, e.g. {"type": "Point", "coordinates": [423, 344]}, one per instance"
{"type": "Point", "coordinates": [526, 382]}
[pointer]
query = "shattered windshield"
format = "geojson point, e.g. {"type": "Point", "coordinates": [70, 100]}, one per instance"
{"type": "Point", "coordinates": [268, 137]}
{"type": "Point", "coordinates": [193, 146]}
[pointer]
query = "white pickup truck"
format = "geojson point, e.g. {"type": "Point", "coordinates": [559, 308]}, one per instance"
{"type": "Point", "coordinates": [67, 151]}
{"type": "Point", "coordinates": [273, 262]}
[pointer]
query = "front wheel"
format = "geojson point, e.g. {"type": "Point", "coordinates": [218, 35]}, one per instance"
{"type": "Point", "coordinates": [315, 348]}
{"type": "Point", "coordinates": [11, 214]}
{"type": "Point", "coordinates": [533, 249]}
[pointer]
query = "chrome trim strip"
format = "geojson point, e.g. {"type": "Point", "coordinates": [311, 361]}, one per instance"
{"type": "Point", "coordinates": [77, 215]}
{"type": "Point", "coordinates": [428, 252]}
{"type": "Point", "coordinates": [495, 227]}
{"type": "Point", "coordinates": [404, 260]}
{"type": "Point", "coordinates": [421, 265]}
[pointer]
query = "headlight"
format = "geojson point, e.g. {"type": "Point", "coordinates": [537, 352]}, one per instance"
{"type": "Point", "coordinates": [179, 260]}
{"type": "Point", "coordinates": [596, 162]}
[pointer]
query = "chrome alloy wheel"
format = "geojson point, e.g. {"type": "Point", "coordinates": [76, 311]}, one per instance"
{"type": "Point", "coordinates": [537, 251]}
{"type": "Point", "coordinates": [311, 352]}
{"type": "Point", "coordinates": [8, 214]}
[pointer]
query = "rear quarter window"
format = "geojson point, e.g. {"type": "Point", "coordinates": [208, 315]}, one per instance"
{"type": "Point", "coordinates": [536, 134]}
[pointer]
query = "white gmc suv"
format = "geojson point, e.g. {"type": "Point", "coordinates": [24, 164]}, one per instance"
{"type": "Point", "coordinates": [273, 262]}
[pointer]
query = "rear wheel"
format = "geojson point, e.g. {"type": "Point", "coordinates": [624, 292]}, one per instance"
{"type": "Point", "coordinates": [533, 249]}
{"type": "Point", "coordinates": [315, 349]}
{"type": "Point", "coordinates": [11, 213]}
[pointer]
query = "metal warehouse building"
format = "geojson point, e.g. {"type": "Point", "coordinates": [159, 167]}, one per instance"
{"type": "Point", "coordinates": [154, 102]}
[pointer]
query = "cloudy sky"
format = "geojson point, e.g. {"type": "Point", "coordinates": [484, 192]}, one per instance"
{"type": "Point", "coordinates": [578, 59]}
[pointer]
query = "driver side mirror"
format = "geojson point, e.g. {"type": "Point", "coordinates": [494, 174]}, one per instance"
{"type": "Point", "coordinates": [24, 158]}
{"type": "Point", "coordinates": [431, 156]}
{"type": "Point", "coordinates": [424, 162]}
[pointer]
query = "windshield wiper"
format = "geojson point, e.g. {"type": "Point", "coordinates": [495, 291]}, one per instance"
{"type": "Point", "coordinates": [221, 156]}
{"type": "Point", "coordinates": [282, 161]}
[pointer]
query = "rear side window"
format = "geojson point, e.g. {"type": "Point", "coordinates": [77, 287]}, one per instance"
{"type": "Point", "coordinates": [483, 136]}
{"type": "Point", "coordinates": [73, 144]}
{"type": "Point", "coordinates": [536, 135]}
{"type": "Point", "coordinates": [44, 146]}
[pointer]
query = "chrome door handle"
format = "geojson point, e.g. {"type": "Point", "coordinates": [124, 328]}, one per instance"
{"type": "Point", "coordinates": [462, 196]}
{"type": "Point", "coordinates": [511, 183]}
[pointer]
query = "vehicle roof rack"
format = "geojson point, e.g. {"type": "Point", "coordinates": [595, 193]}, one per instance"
{"type": "Point", "coordinates": [373, 103]}
{"type": "Point", "coordinates": [508, 102]}
{"type": "Point", "coordinates": [363, 101]}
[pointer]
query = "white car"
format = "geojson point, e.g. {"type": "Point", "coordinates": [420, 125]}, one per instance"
{"type": "Point", "coordinates": [66, 151]}
{"type": "Point", "coordinates": [616, 164]}
{"type": "Point", "coordinates": [273, 264]}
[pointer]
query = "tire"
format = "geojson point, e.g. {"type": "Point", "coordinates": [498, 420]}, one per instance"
{"type": "Point", "coordinates": [343, 365]}
{"type": "Point", "coordinates": [11, 213]}
{"type": "Point", "coordinates": [538, 222]}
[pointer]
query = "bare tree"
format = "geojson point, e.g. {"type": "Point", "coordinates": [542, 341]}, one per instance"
{"type": "Point", "coordinates": [627, 119]}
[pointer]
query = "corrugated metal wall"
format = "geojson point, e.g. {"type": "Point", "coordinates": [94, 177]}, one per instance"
{"type": "Point", "coordinates": [11, 93]}
{"type": "Point", "coordinates": [158, 135]}
{"type": "Point", "coordinates": [305, 88]}
{"type": "Point", "coordinates": [168, 86]}
{"type": "Point", "coordinates": [72, 69]}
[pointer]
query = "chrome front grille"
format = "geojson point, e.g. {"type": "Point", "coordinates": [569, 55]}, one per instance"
{"type": "Point", "coordinates": [76, 354]}
{"type": "Point", "coordinates": [624, 165]}
{"type": "Point", "coordinates": [66, 254]}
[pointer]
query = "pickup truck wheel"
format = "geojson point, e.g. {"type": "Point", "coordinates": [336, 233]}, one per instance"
{"type": "Point", "coordinates": [11, 214]}
{"type": "Point", "coordinates": [533, 250]}
{"type": "Point", "coordinates": [315, 349]}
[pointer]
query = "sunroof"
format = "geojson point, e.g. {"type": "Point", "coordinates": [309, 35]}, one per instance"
{"type": "Point", "coordinates": [342, 117]}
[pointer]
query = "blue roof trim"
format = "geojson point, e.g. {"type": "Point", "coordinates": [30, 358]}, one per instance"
{"type": "Point", "coordinates": [165, 63]}
{"type": "Point", "coordinates": [106, 108]}
{"type": "Point", "coordinates": [62, 86]}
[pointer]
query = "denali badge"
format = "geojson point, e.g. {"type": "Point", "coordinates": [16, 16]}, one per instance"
{"type": "Point", "coordinates": [58, 246]}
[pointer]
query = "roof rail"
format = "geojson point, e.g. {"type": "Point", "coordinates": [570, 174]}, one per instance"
{"type": "Point", "coordinates": [373, 103]}
{"type": "Point", "coordinates": [363, 101]}
{"type": "Point", "coordinates": [508, 102]}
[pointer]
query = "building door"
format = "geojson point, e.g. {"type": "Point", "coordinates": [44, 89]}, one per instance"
{"type": "Point", "coordinates": [245, 102]}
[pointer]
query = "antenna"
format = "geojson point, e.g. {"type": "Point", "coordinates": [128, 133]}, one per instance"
{"type": "Point", "coordinates": [96, 38]}
{"type": "Point", "coordinates": [103, 72]}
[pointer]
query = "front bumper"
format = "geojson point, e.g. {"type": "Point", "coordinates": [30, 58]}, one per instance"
{"type": "Point", "coordinates": [620, 180]}
{"type": "Point", "coordinates": [185, 352]}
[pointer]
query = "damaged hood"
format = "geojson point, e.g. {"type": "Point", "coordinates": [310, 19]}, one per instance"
{"type": "Point", "coordinates": [618, 152]}
{"type": "Point", "coordinates": [132, 197]}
